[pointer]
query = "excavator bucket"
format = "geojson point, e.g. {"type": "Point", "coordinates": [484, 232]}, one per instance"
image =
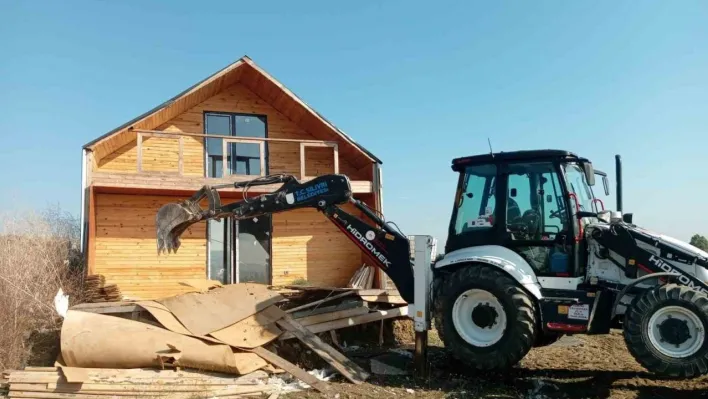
{"type": "Point", "coordinates": [173, 219]}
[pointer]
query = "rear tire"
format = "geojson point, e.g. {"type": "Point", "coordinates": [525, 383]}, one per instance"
{"type": "Point", "coordinates": [665, 331]}
{"type": "Point", "coordinates": [484, 318]}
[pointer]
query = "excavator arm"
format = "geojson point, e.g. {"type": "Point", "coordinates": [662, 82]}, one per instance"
{"type": "Point", "coordinates": [387, 247]}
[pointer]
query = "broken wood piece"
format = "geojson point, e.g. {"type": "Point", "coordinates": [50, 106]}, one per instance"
{"type": "Point", "coordinates": [336, 359]}
{"type": "Point", "coordinates": [294, 370]}
{"type": "Point", "coordinates": [335, 340]}
{"type": "Point", "coordinates": [353, 321]}
{"type": "Point", "coordinates": [393, 299]}
{"type": "Point", "coordinates": [325, 317]}
{"type": "Point", "coordinates": [321, 301]}
{"type": "Point", "coordinates": [347, 303]}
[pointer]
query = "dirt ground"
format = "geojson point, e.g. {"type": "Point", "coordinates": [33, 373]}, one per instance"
{"type": "Point", "coordinates": [574, 367]}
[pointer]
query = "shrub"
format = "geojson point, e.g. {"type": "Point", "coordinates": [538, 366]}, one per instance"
{"type": "Point", "coordinates": [38, 255]}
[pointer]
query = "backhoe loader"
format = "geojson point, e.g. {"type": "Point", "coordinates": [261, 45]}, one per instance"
{"type": "Point", "coordinates": [531, 255]}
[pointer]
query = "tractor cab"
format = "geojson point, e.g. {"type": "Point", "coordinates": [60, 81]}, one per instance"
{"type": "Point", "coordinates": [532, 202]}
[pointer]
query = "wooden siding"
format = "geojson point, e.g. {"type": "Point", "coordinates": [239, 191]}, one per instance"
{"type": "Point", "coordinates": [305, 246]}
{"type": "Point", "coordinates": [160, 154]}
{"type": "Point", "coordinates": [125, 248]}
{"type": "Point", "coordinates": [308, 246]}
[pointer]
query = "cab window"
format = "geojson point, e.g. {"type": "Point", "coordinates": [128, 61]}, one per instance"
{"type": "Point", "coordinates": [535, 201]}
{"type": "Point", "coordinates": [575, 176]}
{"type": "Point", "coordinates": [475, 200]}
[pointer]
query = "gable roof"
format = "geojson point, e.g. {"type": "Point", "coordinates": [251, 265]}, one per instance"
{"type": "Point", "coordinates": [244, 71]}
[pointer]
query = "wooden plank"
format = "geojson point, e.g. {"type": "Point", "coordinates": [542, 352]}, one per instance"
{"type": "Point", "coordinates": [180, 165]}
{"type": "Point", "coordinates": [336, 359]}
{"type": "Point", "coordinates": [325, 317]}
{"type": "Point", "coordinates": [353, 321]}
{"type": "Point", "coordinates": [336, 159]}
{"type": "Point", "coordinates": [302, 161]}
{"type": "Point", "coordinates": [166, 393]}
{"type": "Point", "coordinates": [140, 153]}
{"type": "Point", "coordinates": [394, 299]}
{"type": "Point", "coordinates": [344, 305]}
{"type": "Point", "coordinates": [91, 242]}
{"type": "Point", "coordinates": [224, 158]}
{"type": "Point", "coordinates": [321, 301]}
{"type": "Point", "coordinates": [214, 136]}
{"type": "Point", "coordinates": [121, 389]}
{"type": "Point", "coordinates": [294, 370]}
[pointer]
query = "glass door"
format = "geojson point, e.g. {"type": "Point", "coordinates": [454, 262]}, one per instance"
{"type": "Point", "coordinates": [253, 251]}
{"type": "Point", "coordinates": [239, 250]}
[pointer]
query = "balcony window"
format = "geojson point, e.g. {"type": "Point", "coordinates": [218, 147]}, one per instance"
{"type": "Point", "coordinates": [242, 158]}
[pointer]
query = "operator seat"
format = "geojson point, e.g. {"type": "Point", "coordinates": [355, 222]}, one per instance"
{"type": "Point", "coordinates": [513, 211]}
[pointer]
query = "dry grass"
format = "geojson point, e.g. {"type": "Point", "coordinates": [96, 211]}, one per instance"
{"type": "Point", "coordinates": [38, 255]}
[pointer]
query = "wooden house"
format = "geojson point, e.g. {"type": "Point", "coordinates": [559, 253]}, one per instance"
{"type": "Point", "coordinates": [235, 125]}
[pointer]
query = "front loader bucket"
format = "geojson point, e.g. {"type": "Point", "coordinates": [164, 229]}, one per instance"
{"type": "Point", "coordinates": [171, 221]}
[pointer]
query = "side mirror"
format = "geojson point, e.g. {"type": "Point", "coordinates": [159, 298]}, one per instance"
{"type": "Point", "coordinates": [589, 173]}
{"type": "Point", "coordinates": [606, 185]}
{"type": "Point", "coordinates": [513, 193]}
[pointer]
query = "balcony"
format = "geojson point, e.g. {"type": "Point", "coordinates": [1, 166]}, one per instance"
{"type": "Point", "coordinates": [175, 163]}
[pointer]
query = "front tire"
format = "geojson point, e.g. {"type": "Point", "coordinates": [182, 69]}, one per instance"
{"type": "Point", "coordinates": [484, 318]}
{"type": "Point", "coordinates": [665, 331]}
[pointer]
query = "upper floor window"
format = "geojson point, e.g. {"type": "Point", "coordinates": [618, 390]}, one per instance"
{"type": "Point", "coordinates": [242, 158]}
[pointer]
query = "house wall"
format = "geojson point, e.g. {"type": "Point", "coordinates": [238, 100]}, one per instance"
{"type": "Point", "coordinates": [126, 248]}
{"type": "Point", "coordinates": [305, 245]}
{"type": "Point", "coordinates": [160, 154]}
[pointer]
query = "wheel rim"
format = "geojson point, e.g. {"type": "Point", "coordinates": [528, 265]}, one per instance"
{"type": "Point", "coordinates": [676, 331]}
{"type": "Point", "coordinates": [479, 317]}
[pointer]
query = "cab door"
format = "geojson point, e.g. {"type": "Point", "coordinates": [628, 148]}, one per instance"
{"type": "Point", "coordinates": [474, 217]}
{"type": "Point", "coordinates": [535, 219]}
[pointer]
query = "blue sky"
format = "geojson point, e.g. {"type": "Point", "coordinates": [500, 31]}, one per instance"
{"type": "Point", "coordinates": [417, 83]}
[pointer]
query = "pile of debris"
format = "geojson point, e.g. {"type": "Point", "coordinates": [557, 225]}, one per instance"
{"type": "Point", "coordinates": [229, 329]}
{"type": "Point", "coordinates": [96, 290]}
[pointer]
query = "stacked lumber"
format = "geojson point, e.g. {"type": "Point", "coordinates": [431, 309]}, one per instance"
{"type": "Point", "coordinates": [51, 382]}
{"type": "Point", "coordinates": [318, 319]}
{"type": "Point", "coordinates": [96, 290]}
{"type": "Point", "coordinates": [4, 382]}
{"type": "Point", "coordinates": [363, 278]}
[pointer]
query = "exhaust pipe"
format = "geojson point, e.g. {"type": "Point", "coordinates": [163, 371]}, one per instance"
{"type": "Point", "coordinates": [618, 177]}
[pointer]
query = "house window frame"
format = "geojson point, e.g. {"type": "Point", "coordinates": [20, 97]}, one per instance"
{"type": "Point", "coordinates": [234, 253]}
{"type": "Point", "coordinates": [232, 124]}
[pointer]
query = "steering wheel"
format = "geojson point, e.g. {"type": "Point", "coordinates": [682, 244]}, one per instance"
{"type": "Point", "coordinates": [527, 223]}
{"type": "Point", "coordinates": [556, 214]}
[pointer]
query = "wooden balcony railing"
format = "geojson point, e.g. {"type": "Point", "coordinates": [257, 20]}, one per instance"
{"type": "Point", "coordinates": [226, 140]}
{"type": "Point", "coordinates": [177, 163]}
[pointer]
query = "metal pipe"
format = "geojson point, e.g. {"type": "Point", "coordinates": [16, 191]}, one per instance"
{"type": "Point", "coordinates": [618, 176]}
{"type": "Point", "coordinates": [421, 354]}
